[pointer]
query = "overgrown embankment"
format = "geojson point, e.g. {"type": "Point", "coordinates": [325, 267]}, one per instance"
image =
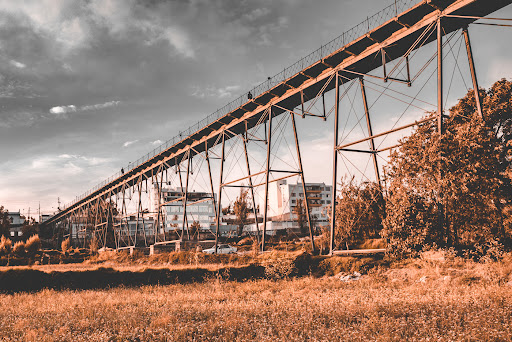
{"type": "Point", "coordinates": [176, 268]}
{"type": "Point", "coordinates": [187, 267]}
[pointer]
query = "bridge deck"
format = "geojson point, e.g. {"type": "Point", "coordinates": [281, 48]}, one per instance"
{"type": "Point", "coordinates": [360, 56]}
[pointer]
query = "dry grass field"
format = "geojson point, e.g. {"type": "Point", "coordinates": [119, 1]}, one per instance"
{"type": "Point", "coordinates": [410, 301]}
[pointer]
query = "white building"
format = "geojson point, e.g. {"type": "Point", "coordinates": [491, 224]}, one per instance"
{"type": "Point", "coordinates": [17, 221]}
{"type": "Point", "coordinates": [283, 198]}
{"type": "Point", "coordinates": [200, 208]}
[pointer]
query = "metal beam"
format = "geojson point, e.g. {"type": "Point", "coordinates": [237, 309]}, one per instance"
{"type": "Point", "coordinates": [267, 175]}
{"type": "Point", "coordinates": [478, 99]}
{"type": "Point", "coordinates": [370, 132]}
{"type": "Point", "coordinates": [251, 188]}
{"type": "Point", "coordinates": [219, 208]}
{"type": "Point", "coordinates": [334, 164]}
{"type": "Point", "coordinates": [308, 215]}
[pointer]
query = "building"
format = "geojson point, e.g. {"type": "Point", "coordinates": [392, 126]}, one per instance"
{"type": "Point", "coordinates": [44, 217]}
{"type": "Point", "coordinates": [17, 221]}
{"type": "Point", "coordinates": [283, 198]}
{"type": "Point", "coordinates": [136, 226]}
{"type": "Point", "coordinates": [200, 208]}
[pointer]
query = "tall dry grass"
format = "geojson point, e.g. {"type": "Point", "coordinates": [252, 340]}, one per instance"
{"type": "Point", "coordinates": [415, 301]}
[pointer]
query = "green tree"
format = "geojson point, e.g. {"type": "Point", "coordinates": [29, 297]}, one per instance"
{"type": "Point", "coordinates": [468, 171]}
{"type": "Point", "coordinates": [300, 211]}
{"type": "Point", "coordinates": [30, 228]}
{"type": "Point", "coordinates": [194, 229]}
{"type": "Point", "coordinates": [241, 210]}
{"type": "Point", "coordinates": [360, 211]}
{"type": "Point", "coordinates": [5, 222]}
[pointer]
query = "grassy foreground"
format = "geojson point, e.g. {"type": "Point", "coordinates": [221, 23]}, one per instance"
{"type": "Point", "coordinates": [419, 301]}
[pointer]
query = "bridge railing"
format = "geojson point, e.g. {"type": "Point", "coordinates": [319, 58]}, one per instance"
{"type": "Point", "coordinates": [346, 37]}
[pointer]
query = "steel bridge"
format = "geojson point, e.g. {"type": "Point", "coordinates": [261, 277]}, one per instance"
{"type": "Point", "coordinates": [380, 49]}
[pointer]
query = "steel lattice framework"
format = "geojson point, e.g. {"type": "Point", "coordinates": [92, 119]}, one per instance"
{"type": "Point", "coordinates": [392, 35]}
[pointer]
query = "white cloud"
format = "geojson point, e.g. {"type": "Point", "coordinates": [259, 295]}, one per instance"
{"type": "Point", "coordinates": [157, 142]}
{"type": "Point", "coordinates": [17, 64]}
{"type": "Point", "coordinates": [211, 91]}
{"type": "Point", "coordinates": [76, 173]}
{"type": "Point", "coordinates": [257, 13]}
{"type": "Point", "coordinates": [100, 105]}
{"type": "Point", "coordinates": [128, 143]}
{"type": "Point", "coordinates": [179, 40]}
{"type": "Point", "coordinates": [56, 18]}
{"type": "Point", "coordinates": [122, 17]}
{"type": "Point", "coordinates": [63, 109]}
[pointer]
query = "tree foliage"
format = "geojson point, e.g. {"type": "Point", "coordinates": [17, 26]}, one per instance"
{"type": "Point", "coordinates": [30, 228]}
{"type": "Point", "coordinates": [300, 211]}
{"type": "Point", "coordinates": [360, 211]}
{"type": "Point", "coordinates": [454, 189]}
{"type": "Point", "coordinates": [194, 229]}
{"type": "Point", "coordinates": [5, 222]}
{"type": "Point", "coordinates": [241, 209]}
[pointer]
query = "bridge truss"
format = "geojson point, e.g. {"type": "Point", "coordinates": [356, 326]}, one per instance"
{"type": "Point", "coordinates": [254, 140]}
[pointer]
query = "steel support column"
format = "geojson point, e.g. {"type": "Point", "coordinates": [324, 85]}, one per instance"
{"type": "Point", "coordinates": [439, 77]}
{"type": "Point", "coordinates": [478, 100]}
{"type": "Point", "coordinates": [370, 131]}
{"type": "Point", "coordinates": [207, 157]}
{"type": "Point", "coordinates": [244, 139]}
{"type": "Point", "coordinates": [383, 55]}
{"type": "Point", "coordinates": [335, 162]}
{"type": "Point", "coordinates": [440, 115]}
{"type": "Point", "coordinates": [219, 208]}
{"type": "Point", "coordinates": [306, 202]}
{"type": "Point", "coordinates": [267, 175]}
{"type": "Point", "coordinates": [185, 198]}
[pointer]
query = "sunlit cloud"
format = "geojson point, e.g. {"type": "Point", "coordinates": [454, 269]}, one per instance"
{"type": "Point", "coordinates": [211, 91]}
{"type": "Point", "coordinates": [157, 142]}
{"type": "Point", "coordinates": [17, 64]}
{"type": "Point", "coordinates": [73, 108]}
{"type": "Point", "coordinates": [63, 109]}
{"type": "Point", "coordinates": [100, 105]}
{"type": "Point", "coordinates": [128, 143]}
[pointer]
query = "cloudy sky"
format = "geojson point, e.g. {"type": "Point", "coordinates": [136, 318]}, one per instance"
{"type": "Point", "coordinates": [88, 85]}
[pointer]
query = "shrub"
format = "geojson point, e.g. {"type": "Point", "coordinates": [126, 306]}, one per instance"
{"type": "Point", "coordinates": [33, 245]}
{"type": "Point", "coordinates": [65, 246]}
{"type": "Point", "coordinates": [279, 269]}
{"type": "Point", "coordinates": [5, 246]}
{"type": "Point", "coordinates": [19, 248]}
{"type": "Point", "coordinates": [455, 191]}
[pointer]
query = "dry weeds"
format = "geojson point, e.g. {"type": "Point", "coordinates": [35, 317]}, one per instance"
{"type": "Point", "coordinates": [416, 301]}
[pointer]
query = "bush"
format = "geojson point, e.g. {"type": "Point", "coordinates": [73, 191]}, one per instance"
{"type": "Point", "coordinates": [33, 245]}
{"type": "Point", "coordinates": [280, 268]}
{"type": "Point", "coordinates": [455, 191]}
{"type": "Point", "coordinates": [65, 245]}
{"type": "Point", "coordinates": [5, 246]}
{"type": "Point", "coordinates": [19, 248]}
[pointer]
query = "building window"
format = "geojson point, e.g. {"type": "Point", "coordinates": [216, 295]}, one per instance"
{"type": "Point", "coordinates": [293, 194]}
{"type": "Point", "coordinates": [328, 202]}
{"type": "Point", "coordinates": [293, 201]}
